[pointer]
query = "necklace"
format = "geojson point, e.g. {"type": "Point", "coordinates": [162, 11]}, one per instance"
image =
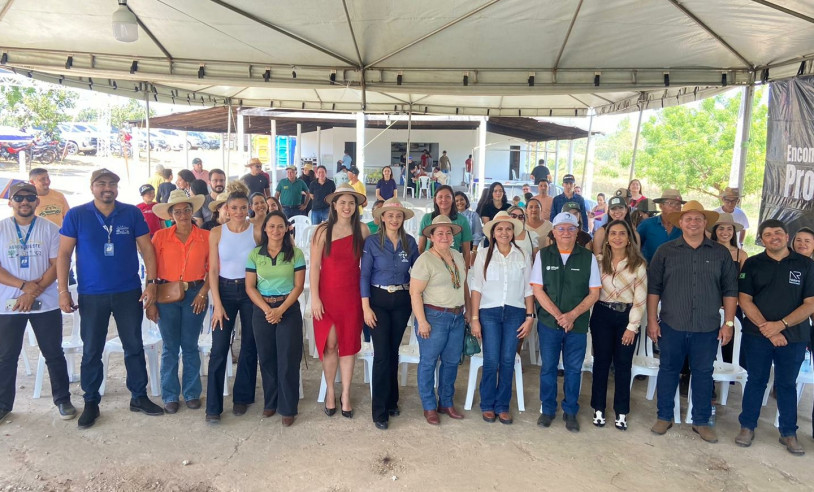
{"type": "Point", "coordinates": [454, 273]}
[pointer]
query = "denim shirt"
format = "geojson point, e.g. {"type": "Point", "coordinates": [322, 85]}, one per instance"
{"type": "Point", "coordinates": [386, 266]}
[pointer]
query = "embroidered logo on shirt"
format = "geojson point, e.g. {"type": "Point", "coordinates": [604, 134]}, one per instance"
{"type": "Point", "coordinates": [795, 278]}
{"type": "Point", "coordinates": [122, 229]}
{"type": "Point", "coordinates": [548, 267]}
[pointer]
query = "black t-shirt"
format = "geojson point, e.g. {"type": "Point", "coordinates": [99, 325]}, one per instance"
{"type": "Point", "coordinates": [256, 184]}
{"type": "Point", "coordinates": [320, 191]}
{"type": "Point", "coordinates": [540, 172]}
{"type": "Point", "coordinates": [164, 190]}
{"type": "Point", "coordinates": [489, 209]}
{"type": "Point", "coordinates": [778, 288]}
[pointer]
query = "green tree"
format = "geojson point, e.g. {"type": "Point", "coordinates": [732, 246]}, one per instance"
{"type": "Point", "coordinates": [35, 107]}
{"type": "Point", "coordinates": [690, 148]}
{"type": "Point", "coordinates": [616, 149]}
{"type": "Point", "coordinates": [119, 114]}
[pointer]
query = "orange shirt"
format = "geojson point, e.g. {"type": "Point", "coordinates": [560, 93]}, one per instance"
{"type": "Point", "coordinates": [178, 261]}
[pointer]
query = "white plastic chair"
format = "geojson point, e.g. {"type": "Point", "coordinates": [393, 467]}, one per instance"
{"type": "Point", "coordinates": [300, 222]}
{"type": "Point", "coordinates": [151, 339]}
{"type": "Point", "coordinates": [71, 347]}
{"type": "Point", "coordinates": [407, 188]}
{"type": "Point", "coordinates": [805, 376]}
{"type": "Point", "coordinates": [23, 355]}
{"type": "Point", "coordinates": [303, 239]}
{"type": "Point", "coordinates": [476, 362]}
{"type": "Point", "coordinates": [645, 364]}
{"type": "Point", "coordinates": [366, 354]}
{"type": "Point", "coordinates": [424, 186]}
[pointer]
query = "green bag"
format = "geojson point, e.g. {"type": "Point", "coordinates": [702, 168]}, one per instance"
{"type": "Point", "coordinates": [471, 345]}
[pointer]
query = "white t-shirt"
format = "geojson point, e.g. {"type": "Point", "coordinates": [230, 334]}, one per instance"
{"type": "Point", "coordinates": [536, 276]}
{"type": "Point", "coordinates": [41, 247]}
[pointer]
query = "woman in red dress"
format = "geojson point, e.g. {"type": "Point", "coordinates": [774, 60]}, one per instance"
{"type": "Point", "coordinates": [336, 302]}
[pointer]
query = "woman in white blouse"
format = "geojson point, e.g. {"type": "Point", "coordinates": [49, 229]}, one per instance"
{"type": "Point", "coordinates": [616, 318]}
{"type": "Point", "coordinates": [502, 304]}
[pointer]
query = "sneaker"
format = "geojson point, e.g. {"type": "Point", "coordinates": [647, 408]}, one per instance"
{"type": "Point", "coordinates": [571, 422]}
{"type": "Point", "coordinates": [621, 422]}
{"type": "Point", "coordinates": [66, 410]}
{"type": "Point", "coordinates": [144, 405]}
{"type": "Point", "coordinates": [545, 420]}
{"type": "Point", "coordinates": [599, 418]}
{"type": "Point", "coordinates": [89, 415]}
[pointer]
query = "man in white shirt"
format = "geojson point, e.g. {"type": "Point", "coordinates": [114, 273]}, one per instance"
{"type": "Point", "coordinates": [28, 294]}
{"type": "Point", "coordinates": [730, 198]}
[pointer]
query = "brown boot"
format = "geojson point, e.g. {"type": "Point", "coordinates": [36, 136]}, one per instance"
{"type": "Point", "coordinates": [451, 412]}
{"type": "Point", "coordinates": [745, 437]}
{"type": "Point", "coordinates": [792, 446]}
{"type": "Point", "coordinates": [432, 417]}
{"type": "Point", "coordinates": [706, 432]}
{"type": "Point", "coordinates": [661, 427]}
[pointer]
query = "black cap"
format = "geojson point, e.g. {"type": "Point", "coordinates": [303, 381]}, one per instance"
{"type": "Point", "coordinates": [616, 201]}
{"type": "Point", "coordinates": [21, 186]}
{"type": "Point", "coordinates": [145, 188]}
{"type": "Point", "coordinates": [197, 160]}
{"type": "Point", "coordinates": [354, 170]}
{"type": "Point", "coordinates": [568, 178]}
{"type": "Point", "coordinates": [99, 173]}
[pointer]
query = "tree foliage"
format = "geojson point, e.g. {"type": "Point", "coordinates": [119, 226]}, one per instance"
{"type": "Point", "coordinates": [690, 147]}
{"type": "Point", "coordinates": [119, 114]}
{"type": "Point", "coordinates": [34, 107]}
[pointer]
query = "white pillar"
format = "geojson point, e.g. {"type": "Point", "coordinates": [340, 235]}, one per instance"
{"type": "Point", "coordinates": [736, 172]}
{"type": "Point", "coordinates": [273, 150]}
{"type": "Point", "coordinates": [360, 144]}
{"type": "Point", "coordinates": [241, 139]}
{"type": "Point", "coordinates": [570, 162]}
{"type": "Point", "coordinates": [186, 150]}
{"type": "Point", "coordinates": [556, 154]}
{"type": "Point", "coordinates": [298, 149]}
{"type": "Point", "coordinates": [228, 142]}
{"type": "Point", "coordinates": [149, 161]}
{"type": "Point", "coordinates": [407, 156]}
{"type": "Point", "coordinates": [588, 167]}
{"type": "Point", "coordinates": [636, 144]}
{"type": "Point", "coordinates": [319, 148]}
{"type": "Point", "coordinates": [482, 154]}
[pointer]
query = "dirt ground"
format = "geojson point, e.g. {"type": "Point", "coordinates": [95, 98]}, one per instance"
{"type": "Point", "coordinates": [128, 451]}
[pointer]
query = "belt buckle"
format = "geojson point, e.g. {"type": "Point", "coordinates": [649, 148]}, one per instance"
{"type": "Point", "coordinates": [185, 285]}
{"type": "Point", "coordinates": [391, 289]}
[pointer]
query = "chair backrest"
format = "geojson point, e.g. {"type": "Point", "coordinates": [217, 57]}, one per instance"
{"type": "Point", "coordinates": [424, 181]}
{"type": "Point", "coordinates": [736, 342]}
{"type": "Point", "coordinates": [300, 221]}
{"type": "Point", "coordinates": [303, 239]}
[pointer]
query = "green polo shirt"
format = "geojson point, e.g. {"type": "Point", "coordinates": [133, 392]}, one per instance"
{"type": "Point", "coordinates": [275, 276]}
{"type": "Point", "coordinates": [465, 236]}
{"type": "Point", "coordinates": [291, 193]}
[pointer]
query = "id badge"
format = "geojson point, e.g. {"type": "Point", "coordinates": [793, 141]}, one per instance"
{"type": "Point", "coordinates": [108, 249]}
{"type": "Point", "coordinates": [24, 261]}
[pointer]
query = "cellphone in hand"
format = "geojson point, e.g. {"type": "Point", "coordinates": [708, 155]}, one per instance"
{"type": "Point", "coordinates": [35, 306]}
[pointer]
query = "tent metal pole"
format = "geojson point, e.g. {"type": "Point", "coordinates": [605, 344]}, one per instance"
{"type": "Point", "coordinates": [273, 157]}
{"type": "Point", "coordinates": [739, 153]}
{"type": "Point", "coordinates": [360, 144]}
{"type": "Point", "coordinates": [482, 154]}
{"type": "Point", "coordinates": [149, 161]}
{"type": "Point", "coordinates": [407, 158]}
{"type": "Point", "coordinates": [319, 147]}
{"type": "Point", "coordinates": [587, 180]}
{"type": "Point", "coordinates": [298, 148]}
{"type": "Point", "coordinates": [241, 137]}
{"type": "Point", "coordinates": [186, 149]}
{"type": "Point", "coordinates": [636, 145]}
{"type": "Point", "coordinates": [228, 141]}
{"type": "Point", "coordinates": [570, 161]}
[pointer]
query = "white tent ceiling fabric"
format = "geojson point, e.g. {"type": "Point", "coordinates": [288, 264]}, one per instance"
{"type": "Point", "coordinates": [396, 56]}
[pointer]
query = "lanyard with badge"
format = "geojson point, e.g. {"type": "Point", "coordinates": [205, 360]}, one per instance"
{"type": "Point", "coordinates": [108, 248]}
{"type": "Point", "coordinates": [24, 263]}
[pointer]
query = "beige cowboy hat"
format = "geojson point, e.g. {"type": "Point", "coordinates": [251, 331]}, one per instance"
{"type": "Point", "coordinates": [502, 216]}
{"type": "Point", "coordinates": [347, 189]}
{"type": "Point", "coordinates": [217, 202]}
{"type": "Point", "coordinates": [441, 220]}
{"type": "Point", "coordinates": [178, 196]}
{"type": "Point", "coordinates": [669, 195]}
{"type": "Point", "coordinates": [692, 206]}
{"type": "Point", "coordinates": [731, 193]}
{"type": "Point", "coordinates": [393, 204]}
{"type": "Point", "coordinates": [725, 218]}
{"type": "Point", "coordinates": [254, 161]}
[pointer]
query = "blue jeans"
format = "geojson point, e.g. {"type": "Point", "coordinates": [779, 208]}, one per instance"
{"type": "Point", "coordinates": [760, 353]}
{"type": "Point", "coordinates": [319, 216]}
{"type": "Point", "coordinates": [553, 342]}
{"type": "Point", "coordinates": [700, 349]}
{"type": "Point", "coordinates": [292, 211]}
{"type": "Point", "coordinates": [447, 342]}
{"type": "Point", "coordinates": [499, 335]}
{"type": "Point", "coordinates": [94, 313]}
{"type": "Point", "coordinates": [180, 328]}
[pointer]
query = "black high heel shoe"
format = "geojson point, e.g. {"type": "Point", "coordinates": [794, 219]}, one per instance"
{"type": "Point", "coordinates": [330, 411]}
{"type": "Point", "coordinates": [347, 414]}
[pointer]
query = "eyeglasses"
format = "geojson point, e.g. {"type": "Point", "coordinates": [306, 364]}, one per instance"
{"type": "Point", "coordinates": [182, 211]}
{"type": "Point", "coordinates": [517, 216]}
{"type": "Point", "coordinates": [566, 229]}
{"type": "Point", "coordinates": [28, 198]}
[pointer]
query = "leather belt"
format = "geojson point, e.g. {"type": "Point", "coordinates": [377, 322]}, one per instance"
{"type": "Point", "coordinates": [232, 280]}
{"type": "Point", "coordinates": [619, 307]}
{"type": "Point", "coordinates": [454, 310]}
{"type": "Point", "coordinates": [393, 288]}
{"type": "Point", "coordinates": [274, 300]}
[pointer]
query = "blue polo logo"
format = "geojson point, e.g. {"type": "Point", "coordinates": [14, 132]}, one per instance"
{"type": "Point", "coordinates": [124, 230]}
{"type": "Point", "coordinates": [795, 278]}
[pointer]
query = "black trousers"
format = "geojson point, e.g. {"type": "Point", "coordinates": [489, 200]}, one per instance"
{"type": "Point", "coordinates": [48, 330]}
{"type": "Point", "coordinates": [279, 349]}
{"type": "Point", "coordinates": [392, 312]}
{"type": "Point", "coordinates": [607, 328]}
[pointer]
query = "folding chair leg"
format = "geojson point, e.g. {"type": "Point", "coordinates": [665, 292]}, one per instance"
{"type": "Point", "coordinates": [518, 382]}
{"type": "Point", "coordinates": [40, 373]}
{"type": "Point", "coordinates": [470, 387]}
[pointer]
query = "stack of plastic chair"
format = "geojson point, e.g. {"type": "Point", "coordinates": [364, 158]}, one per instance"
{"type": "Point", "coordinates": [151, 339]}
{"type": "Point", "coordinates": [476, 362]}
{"type": "Point", "coordinates": [71, 346]}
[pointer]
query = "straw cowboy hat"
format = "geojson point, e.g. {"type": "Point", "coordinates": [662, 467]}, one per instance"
{"type": "Point", "coordinates": [670, 195]}
{"type": "Point", "coordinates": [502, 216]}
{"type": "Point", "coordinates": [731, 193]}
{"type": "Point", "coordinates": [217, 202]}
{"type": "Point", "coordinates": [254, 161]}
{"type": "Point", "coordinates": [393, 204]}
{"type": "Point", "coordinates": [726, 218]}
{"type": "Point", "coordinates": [692, 206]}
{"type": "Point", "coordinates": [441, 220]}
{"type": "Point", "coordinates": [347, 189]}
{"type": "Point", "coordinates": [178, 196]}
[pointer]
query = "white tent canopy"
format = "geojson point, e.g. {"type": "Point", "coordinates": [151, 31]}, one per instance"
{"type": "Point", "coordinates": [481, 58]}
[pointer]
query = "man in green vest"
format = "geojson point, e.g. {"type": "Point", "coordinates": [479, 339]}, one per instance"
{"type": "Point", "coordinates": [565, 281]}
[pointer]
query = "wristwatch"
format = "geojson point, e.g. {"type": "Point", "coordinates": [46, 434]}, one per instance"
{"type": "Point", "coordinates": [531, 315]}
{"type": "Point", "coordinates": [152, 281]}
{"type": "Point", "coordinates": [730, 324]}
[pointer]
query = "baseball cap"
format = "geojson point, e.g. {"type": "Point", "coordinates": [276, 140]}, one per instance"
{"type": "Point", "coordinates": [568, 178]}
{"type": "Point", "coordinates": [21, 186]}
{"type": "Point", "coordinates": [145, 188]}
{"type": "Point", "coordinates": [292, 167]}
{"type": "Point", "coordinates": [354, 170]}
{"type": "Point", "coordinates": [197, 160]}
{"type": "Point", "coordinates": [100, 173]}
{"type": "Point", "coordinates": [570, 206]}
{"type": "Point", "coordinates": [565, 218]}
{"type": "Point", "coordinates": [616, 201]}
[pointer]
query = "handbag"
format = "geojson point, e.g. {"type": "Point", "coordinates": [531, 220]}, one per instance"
{"type": "Point", "coordinates": [170, 292]}
{"type": "Point", "coordinates": [471, 345]}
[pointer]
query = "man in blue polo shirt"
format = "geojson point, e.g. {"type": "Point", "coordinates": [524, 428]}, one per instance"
{"type": "Point", "coordinates": [568, 195]}
{"type": "Point", "coordinates": [108, 235]}
{"type": "Point", "coordinates": [656, 231]}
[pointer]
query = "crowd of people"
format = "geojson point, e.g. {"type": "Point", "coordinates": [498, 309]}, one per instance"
{"type": "Point", "coordinates": [664, 267]}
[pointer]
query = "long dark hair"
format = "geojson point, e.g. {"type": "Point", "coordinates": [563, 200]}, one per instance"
{"type": "Point", "coordinates": [632, 253]}
{"type": "Point", "coordinates": [504, 200]}
{"type": "Point", "coordinates": [453, 210]}
{"type": "Point", "coordinates": [732, 240]}
{"type": "Point", "coordinates": [492, 243]}
{"type": "Point", "coordinates": [355, 224]}
{"type": "Point", "coordinates": [461, 194]}
{"type": "Point", "coordinates": [288, 243]}
{"type": "Point", "coordinates": [251, 199]}
{"type": "Point", "coordinates": [391, 174]}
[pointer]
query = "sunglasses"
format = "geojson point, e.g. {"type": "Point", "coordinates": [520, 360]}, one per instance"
{"type": "Point", "coordinates": [28, 198]}
{"type": "Point", "coordinates": [517, 216]}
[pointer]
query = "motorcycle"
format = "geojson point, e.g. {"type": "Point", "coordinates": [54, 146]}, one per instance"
{"type": "Point", "coordinates": [44, 153]}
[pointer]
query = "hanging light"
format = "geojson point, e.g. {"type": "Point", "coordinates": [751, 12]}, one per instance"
{"type": "Point", "coordinates": [125, 24]}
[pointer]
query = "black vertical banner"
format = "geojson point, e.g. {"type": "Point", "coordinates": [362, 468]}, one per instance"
{"type": "Point", "coordinates": [788, 183]}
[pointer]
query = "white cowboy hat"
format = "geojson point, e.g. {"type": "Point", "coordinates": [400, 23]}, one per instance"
{"type": "Point", "coordinates": [178, 196]}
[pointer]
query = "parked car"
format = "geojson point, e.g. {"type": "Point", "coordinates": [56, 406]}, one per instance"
{"type": "Point", "coordinates": [176, 139]}
{"type": "Point", "coordinates": [208, 141]}
{"type": "Point", "coordinates": [78, 137]}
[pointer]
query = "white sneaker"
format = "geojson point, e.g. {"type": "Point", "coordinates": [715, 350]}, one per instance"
{"type": "Point", "coordinates": [599, 418]}
{"type": "Point", "coordinates": [621, 422]}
